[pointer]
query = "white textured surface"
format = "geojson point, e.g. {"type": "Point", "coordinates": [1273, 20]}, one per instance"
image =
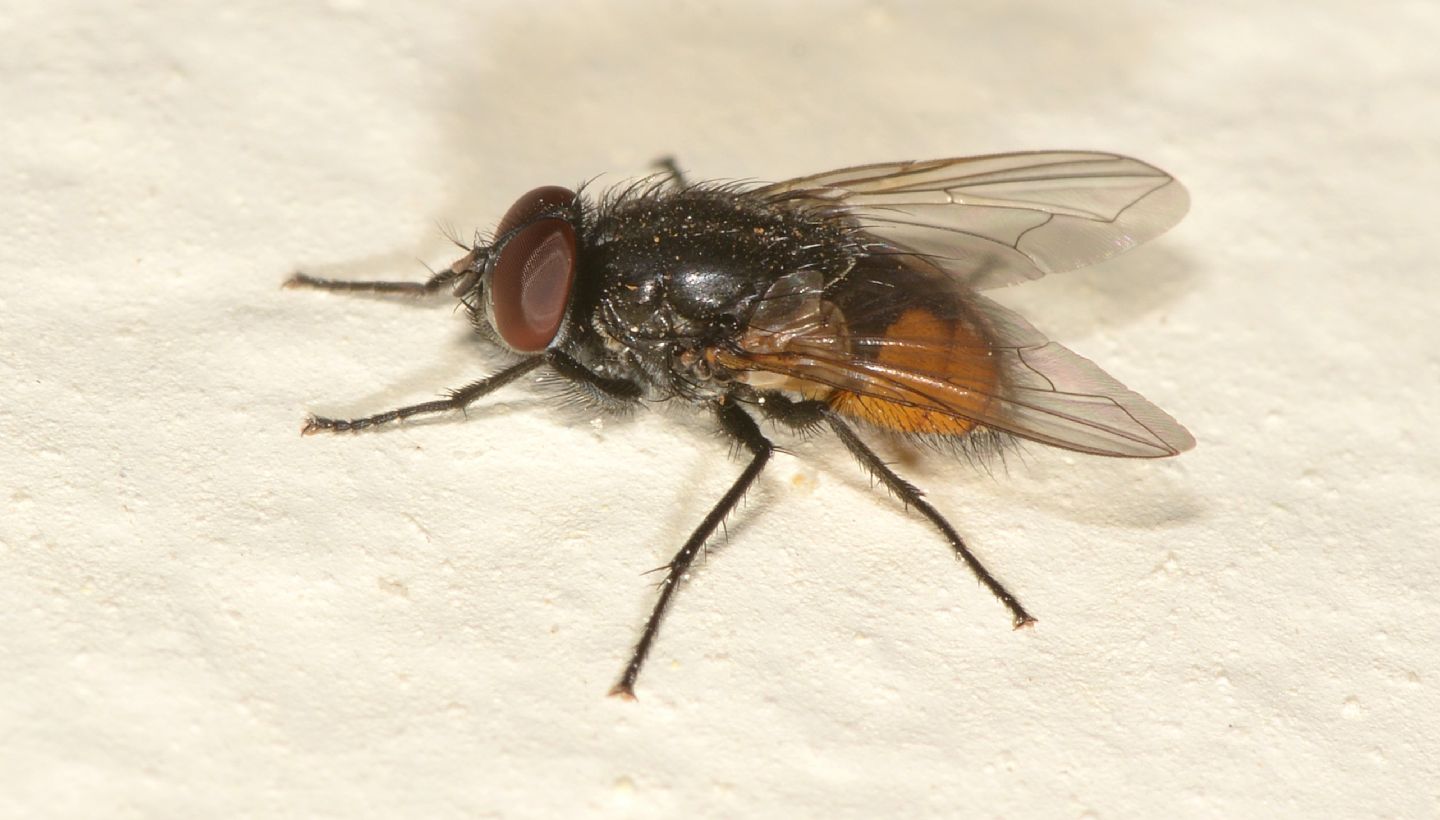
{"type": "Point", "coordinates": [206, 615]}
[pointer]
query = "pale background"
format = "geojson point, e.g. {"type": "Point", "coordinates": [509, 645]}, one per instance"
{"type": "Point", "coordinates": [206, 615]}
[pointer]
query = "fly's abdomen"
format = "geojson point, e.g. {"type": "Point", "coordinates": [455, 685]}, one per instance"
{"type": "Point", "coordinates": [927, 374]}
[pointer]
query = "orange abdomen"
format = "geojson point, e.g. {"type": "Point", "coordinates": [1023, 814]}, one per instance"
{"type": "Point", "coordinates": [947, 370]}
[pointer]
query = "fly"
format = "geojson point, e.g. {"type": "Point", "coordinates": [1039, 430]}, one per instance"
{"type": "Point", "coordinates": [849, 300]}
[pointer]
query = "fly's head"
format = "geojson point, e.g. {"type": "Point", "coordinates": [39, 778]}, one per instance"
{"type": "Point", "coordinates": [520, 287]}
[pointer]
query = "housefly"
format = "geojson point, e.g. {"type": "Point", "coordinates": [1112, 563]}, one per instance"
{"type": "Point", "coordinates": [848, 300]}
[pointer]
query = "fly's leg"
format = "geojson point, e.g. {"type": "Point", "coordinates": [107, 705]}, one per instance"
{"type": "Point", "coordinates": [911, 496]}
{"type": "Point", "coordinates": [619, 391]}
{"type": "Point", "coordinates": [457, 400]}
{"type": "Point", "coordinates": [669, 168]}
{"type": "Point", "coordinates": [430, 286]}
{"type": "Point", "coordinates": [738, 424]}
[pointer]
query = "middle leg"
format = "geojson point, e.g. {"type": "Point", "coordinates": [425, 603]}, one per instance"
{"type": "Point", "coordinates": [738, 424]}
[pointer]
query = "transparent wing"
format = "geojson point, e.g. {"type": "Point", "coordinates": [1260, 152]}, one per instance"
{"type": "Point", "coordinates": [1005, 218]}
{"type": "Point", "coordinates": [1013, 379]}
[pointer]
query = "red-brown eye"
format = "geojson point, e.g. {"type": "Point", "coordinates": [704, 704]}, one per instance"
{"type": "Point", "coordinates": [530, 285]}
{"type": "Point", "coordinates": [549, 199]}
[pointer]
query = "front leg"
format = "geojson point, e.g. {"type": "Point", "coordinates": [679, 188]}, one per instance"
{"type": "Point", "coordinates": [457, 400]}
{"type": "Point", "coordinates": [472, 261]}
{"type": "Point", "coordinates": [604, 388]}
{"type": "Point", "coordinates": [428, 287]}
{"type": "Point", "coordinates": [738, 424]}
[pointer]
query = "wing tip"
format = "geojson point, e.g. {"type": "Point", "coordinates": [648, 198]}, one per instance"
{"type": "Point", "coordinates": [1176, 441]}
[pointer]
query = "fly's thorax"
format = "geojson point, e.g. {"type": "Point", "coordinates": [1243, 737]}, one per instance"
{"type": "Point", "coordinates": [682, 270]}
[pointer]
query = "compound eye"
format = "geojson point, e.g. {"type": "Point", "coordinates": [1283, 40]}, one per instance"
{"type": "Point", "coordinates": [548, 199]}
{"type": "Point", "coordinates": [531, 284]}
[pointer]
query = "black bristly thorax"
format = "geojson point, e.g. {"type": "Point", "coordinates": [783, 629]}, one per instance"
{"type": "Point", "coordinates": [666, 273]}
